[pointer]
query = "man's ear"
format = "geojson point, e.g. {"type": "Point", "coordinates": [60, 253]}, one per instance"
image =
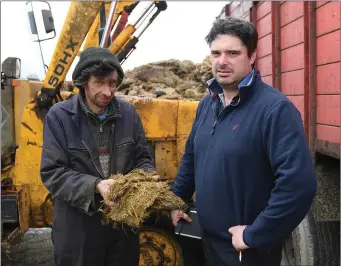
{"type": "Point", "coordinates": [253, 57]}
{"type": "Point", "coordinates": [85, 86]}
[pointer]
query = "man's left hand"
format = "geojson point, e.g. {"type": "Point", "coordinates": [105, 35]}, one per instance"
{"type": "Point", "coordinates": [237, 237]}
{"type": "Point", "coordinates": [158, 178]}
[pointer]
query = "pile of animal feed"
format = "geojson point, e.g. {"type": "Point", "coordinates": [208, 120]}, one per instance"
{"type": "Point", "coordinates": [169, 79]}
{"type": "Point", "coordinates": [136, 196]}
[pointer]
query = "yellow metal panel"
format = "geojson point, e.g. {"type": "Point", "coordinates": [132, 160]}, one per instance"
{"type": "Point", "coordinates": [24, 92]}
{"type": "Point", "coordinates": [186, 115]}
{"type": "Point", "coordinates": [159, 116]}
{"type": "Point", "coordinates": [166, 159]}
{"type": "Point", "coordinates": [27, 163]}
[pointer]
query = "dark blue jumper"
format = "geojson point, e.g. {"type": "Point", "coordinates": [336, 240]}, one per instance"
{"type": "Point", "coordinates": [249, 163]}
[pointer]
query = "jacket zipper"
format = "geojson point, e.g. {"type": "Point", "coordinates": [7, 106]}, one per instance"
{"type": "Point", "coordinates": [100, 173]}
{"type": "Point", "coordinates": [112, 159]}
{"type": "Point", "coordinates": [100, 133]}
{"type": "Point", "coordinates": [216, 121]}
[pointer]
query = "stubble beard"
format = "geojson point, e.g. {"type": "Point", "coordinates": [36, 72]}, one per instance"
{"type": "Point", "coordinates": [227, 83]}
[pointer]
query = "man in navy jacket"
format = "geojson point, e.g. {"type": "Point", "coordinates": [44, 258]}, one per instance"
{"type": "Point", "coordinates": [88, 138]}
{"type": "Point", "coordinates": [246, 157]}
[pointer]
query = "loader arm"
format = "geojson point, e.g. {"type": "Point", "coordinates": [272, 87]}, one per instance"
{"type": "Point", "coordinates": [78, 21]}
{"type": "Point", "coordinates": [124, 6]}
{"type": "Point", "coordinates": [82, 26]}
{"type": "Point", "coordinates": [82, 22]}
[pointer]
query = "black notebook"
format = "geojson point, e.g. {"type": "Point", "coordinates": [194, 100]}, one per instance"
{"type": "Point", "coordinates": [191, 229]}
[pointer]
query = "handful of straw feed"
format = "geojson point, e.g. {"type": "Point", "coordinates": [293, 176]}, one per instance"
{"type": "Point", "coordinates": [136, 195]}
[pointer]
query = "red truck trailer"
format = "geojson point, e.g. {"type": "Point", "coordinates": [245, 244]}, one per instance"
{"type": "Point", "coordinates": [299, 54]}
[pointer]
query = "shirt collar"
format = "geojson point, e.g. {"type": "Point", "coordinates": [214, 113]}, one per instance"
{"type": "Point", "coordinates": [112, 110]}
{"type": "Point", "coordinates": [247, 80]}
{"type": "Point", "coordinates": [215, 88]}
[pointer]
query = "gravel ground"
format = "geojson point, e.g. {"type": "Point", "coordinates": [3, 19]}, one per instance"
{"type": "Point", "coordinates": [34, 249]}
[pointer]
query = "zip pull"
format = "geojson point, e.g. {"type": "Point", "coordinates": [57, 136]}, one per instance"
{"type": "Point", "coordinates": [213, 129]}
{"type": "Point", "coordinates": [101, 128]}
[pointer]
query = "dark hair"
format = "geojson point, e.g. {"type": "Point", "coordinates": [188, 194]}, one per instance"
{"type": "Point", "coordinates": [102, 69]}
{"type": "Point", "coordinates": [239, 28]}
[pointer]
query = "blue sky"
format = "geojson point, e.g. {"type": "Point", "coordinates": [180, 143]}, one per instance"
{"type": "Point", "coordinates": [176, 33]}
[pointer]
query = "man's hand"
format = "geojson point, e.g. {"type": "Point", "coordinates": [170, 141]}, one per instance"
{"type": "Point", "coordinates": [177, 215]}
{"type": "Point", "coordinates": [158, 178]}
{"type": "Point", "coordinates": [103, 188]}
{"type": "Point", "coordinates": [237, 237]}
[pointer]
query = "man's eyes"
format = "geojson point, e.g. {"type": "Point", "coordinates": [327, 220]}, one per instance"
{"type": "Point", "coordinates": [101, 82]}
{"type": "Point", "coordinates": [229, 53]}
{"type": "Point", "coordinates": [233, 53]}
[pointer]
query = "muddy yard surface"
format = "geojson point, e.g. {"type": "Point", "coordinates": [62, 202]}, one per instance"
{"type": "Point", "coordinates": [34, 249]}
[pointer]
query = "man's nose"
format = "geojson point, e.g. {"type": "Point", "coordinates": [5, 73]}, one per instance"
{"type": "Point", "coordinates": [106, 90]}
{"type": "Point", "coordinates": [223, 60]}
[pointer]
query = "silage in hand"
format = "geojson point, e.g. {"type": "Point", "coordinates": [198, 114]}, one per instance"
{"type": "Point", "coordinates": [136, 195]}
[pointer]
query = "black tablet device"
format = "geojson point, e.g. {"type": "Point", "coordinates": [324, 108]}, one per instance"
{"type": "Point", "coordinates": [191, 229]}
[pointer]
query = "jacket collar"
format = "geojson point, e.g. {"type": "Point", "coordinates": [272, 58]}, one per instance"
{"type": "Point", "coordinates": [74, 106]}
{"type": "Point", "coordinates": [113, 108]}
{"type": "Point", "coordinates": [244, 86]}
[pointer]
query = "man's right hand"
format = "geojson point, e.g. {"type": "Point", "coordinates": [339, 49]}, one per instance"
{"type": "Point", "coordinates": [103, 188]}
{"type": "Point", "coordinates": [177, 215]}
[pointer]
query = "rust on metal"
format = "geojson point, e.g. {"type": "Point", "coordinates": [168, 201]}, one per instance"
{"type": "Point", "coordinates": [166, 161]}
{"type": "Point", "coordinates": [276, 44]}
{"type": "Point", "coordinates": [253, 20]}
{"type": "Point", "coordinates": [227, 9]}
{"type": "Point", "coordinates": [24, 209]}
{"type": "Point", "coordinates": [328, 148]}
{"type": "Point", "coordinates": [23, 202]}
{"type": "Point", "coordinates": [158, 248]}
{"type": "Point", "coordinates": [7, 182]}
{"type": "Point", "coordinates": [306, 59]}
{"type": "Point", "coordinates": [312, 77]}
{"type": "Point", "coordinates": [14, 236]}
{"type": "Point", "coordinates": [185, 118]}
{"type": "Point", "coordinates": [33, 143]}
{"type": "Point", "coordinates": [253, 14]}
{"type": "Point", "coordinates": [48, 209]}
{"type": "Point", "coordinates": [28, 127]}
{"type": "Point", "coordinates": [310, 74]}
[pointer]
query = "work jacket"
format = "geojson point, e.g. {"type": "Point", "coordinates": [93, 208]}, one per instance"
{"type": "Point", "coordinates": [70, 165]}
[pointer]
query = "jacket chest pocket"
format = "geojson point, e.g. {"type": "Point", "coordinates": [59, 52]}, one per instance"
{"type": "Point", "coordinates": [80, 160]}
{"type": "Point", "coordinates": [125, 157]}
